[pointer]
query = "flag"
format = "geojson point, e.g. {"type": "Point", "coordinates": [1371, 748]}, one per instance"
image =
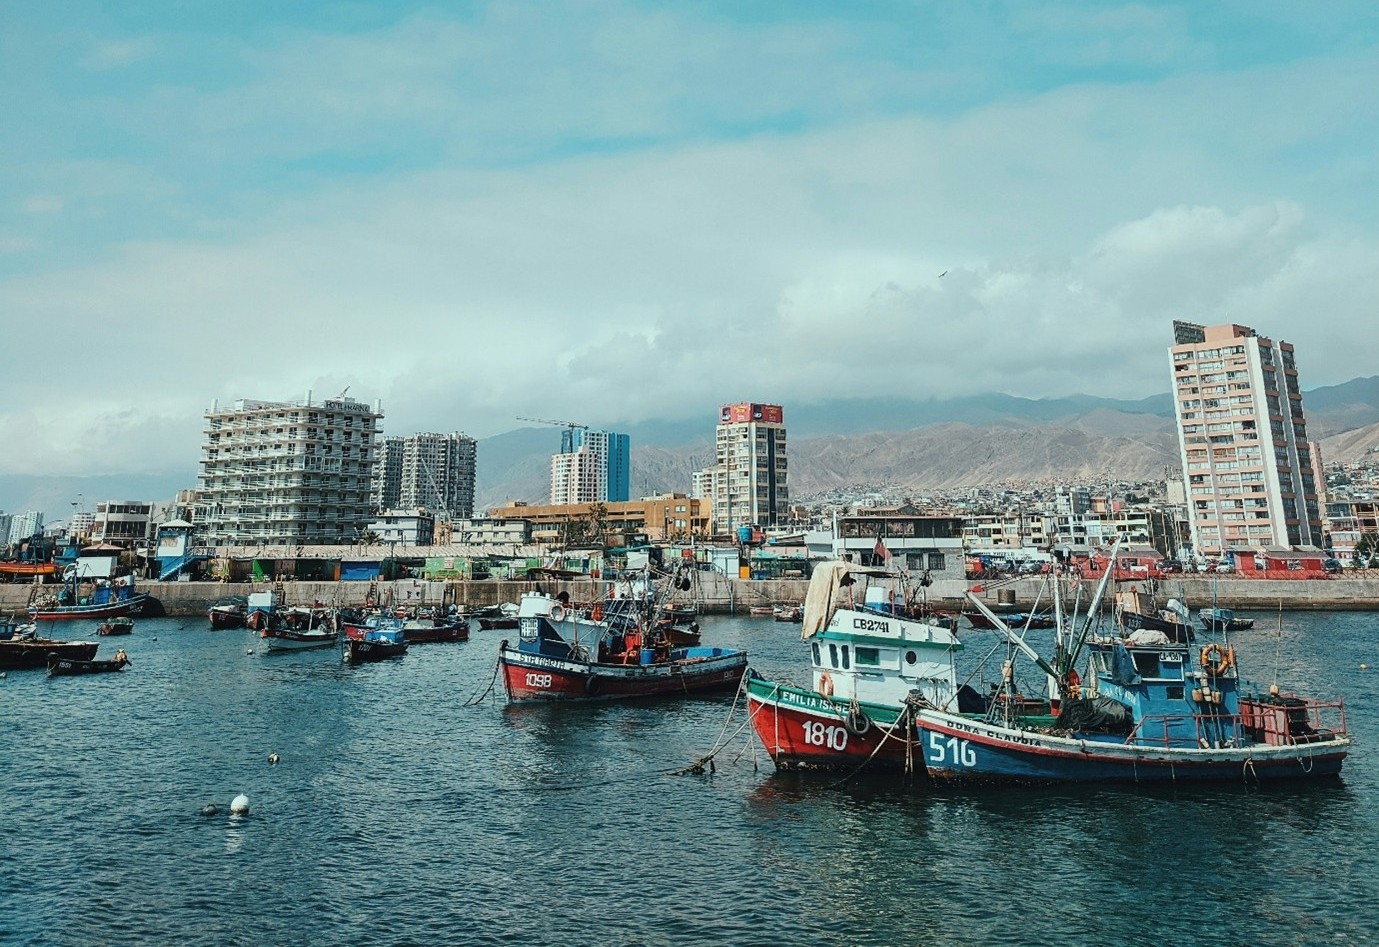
{"type": "Point", "coordinates": [880, 549]}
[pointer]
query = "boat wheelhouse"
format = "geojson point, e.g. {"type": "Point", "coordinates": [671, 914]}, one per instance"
{"type": "Point", "coordinates": [868, 659]}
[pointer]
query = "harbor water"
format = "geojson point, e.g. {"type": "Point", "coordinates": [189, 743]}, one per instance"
{"type": "Point", "coordinates": [398, 814]}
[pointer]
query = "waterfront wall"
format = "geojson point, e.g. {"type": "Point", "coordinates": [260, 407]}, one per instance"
{"type": "Point", "coordinates": [721, 594]}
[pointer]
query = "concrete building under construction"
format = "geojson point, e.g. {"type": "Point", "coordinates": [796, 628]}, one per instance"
{"type": "Point", "coordinates": [286, 472]}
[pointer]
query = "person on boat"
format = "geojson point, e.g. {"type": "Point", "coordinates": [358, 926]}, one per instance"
{"type": "Point", "coordinates": [121, 657]}
{"type": "Point", "coordinates": [563, 598]}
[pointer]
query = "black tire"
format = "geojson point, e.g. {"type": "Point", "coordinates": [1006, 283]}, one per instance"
{"type": "Point", "coordinates": [857, 722]}
{"type": "Point", "coordinates": [593, 685]}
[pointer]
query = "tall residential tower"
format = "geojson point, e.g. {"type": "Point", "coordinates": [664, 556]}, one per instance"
{"type": "Point", "coordinates": [1247, 466]}
{"type": "Point", "coordinates": [750, 484]}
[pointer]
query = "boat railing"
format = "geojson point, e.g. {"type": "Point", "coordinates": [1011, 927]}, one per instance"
{"type": "Point", "coordinates": [1284, 720]}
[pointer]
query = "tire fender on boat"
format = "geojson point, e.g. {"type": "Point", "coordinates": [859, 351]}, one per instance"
{"type": "Point", "coordinates": [857, 722]}
{"type": "Point", "coordinates": [593, 684]}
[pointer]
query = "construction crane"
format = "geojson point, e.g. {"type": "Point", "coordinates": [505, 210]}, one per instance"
{"type": "Point", "coordinates": [567, 436]}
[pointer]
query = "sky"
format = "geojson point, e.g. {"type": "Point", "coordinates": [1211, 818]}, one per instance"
{"type": "Point", "coordinates": [613, 211]}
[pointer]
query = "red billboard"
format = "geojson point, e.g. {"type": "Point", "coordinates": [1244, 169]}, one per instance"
{"type": "Point", "coordinates": [743, 413]}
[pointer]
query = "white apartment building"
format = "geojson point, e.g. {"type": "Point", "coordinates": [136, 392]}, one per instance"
{"type": "Point", "coordinates": [750, 482]}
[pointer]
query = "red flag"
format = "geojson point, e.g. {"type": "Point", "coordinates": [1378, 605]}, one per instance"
{"type": "Point", "coordinates": [880, 550]}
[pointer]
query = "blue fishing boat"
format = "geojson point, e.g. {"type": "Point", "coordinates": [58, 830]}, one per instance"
{"type": "Point", "coordinates": [1149, 709]}
{"type": "Point", "coordinates": [378, 644]}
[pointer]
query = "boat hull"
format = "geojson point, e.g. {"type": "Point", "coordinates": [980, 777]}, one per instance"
{"type": "Point", "coordinates": [35, 653]}
{"type": "Point", "coordinates": [297, 640]}
{"type": "Point", "coordinates": [223, 619]}
{"type": "Point", "coordinates": [130, 606]}
{"type": "Point", "coordinates": [364, 652]}
{"type": "Point", "coordinates": [454, 631]}
{"type": "Point", "coordinates": [65, 667]}
{"type": "Point", "coordinates": [803, 729]}
{"type": "Point", "coordinates": [528, 676]}
{"type": "Point", "coordinates": [970, 751]}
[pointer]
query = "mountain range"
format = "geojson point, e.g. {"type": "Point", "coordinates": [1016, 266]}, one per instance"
{"type": "Point", "coordinates": [912, 445]}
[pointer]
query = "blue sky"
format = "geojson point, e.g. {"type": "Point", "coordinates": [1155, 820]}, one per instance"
{"type": "Point", "coordinates": [613, 211]}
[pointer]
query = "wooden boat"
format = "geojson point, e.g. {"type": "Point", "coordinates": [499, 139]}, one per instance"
{"type": "Point", "coordinates": [562, 654]}
{"type": "Point", "coordinates": [762, 611]}
{"type": "Point", "coordinates": [66, 667]}
{"type": "Point", "coordinates": [226, 615]}
{"type": "Point", "coordinates": [28, 569]}
{"type": "Point", "coordinates": [417, 630]}
{"type": "Point", "coordinates": [1037, 620]}
{"type": "Point", "coordinates": [496, 617]}
{"type": "Point", "coordinates": [376, 645]}
{"type": "Point", "coordinates": [116, 626]}
{"type": "Point", "coordinates": [865, 661]}
{"type": "Point", "coordinates": [788, 613]}
{"type": "Point", "coordinates": [34, 652]}
{"type": "Point", "coordinates": [108, 603]}
{"type": "Point", "coordinates": [1223, 619]}
{"type": "Point", "coordinates": [283, 639]}
{"type": "Point", "coordinates": [1136, 610]}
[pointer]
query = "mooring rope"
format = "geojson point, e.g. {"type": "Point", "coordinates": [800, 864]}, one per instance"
{"type": "Point", "coordinates": [497, 666]}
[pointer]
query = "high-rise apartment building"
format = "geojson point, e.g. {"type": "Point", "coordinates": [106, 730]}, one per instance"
{"type": "Point", "coordinates": [1247, 466]}
{"type": "Point", "coordinates": [750, 486]}
{"type": "Point", "coordinates": [592, 467]}
{"type": "Point", "coordinates": [286, 472]}
{"type": "Point", "coordinates": [438, 474]}
{"type": "Point", "coordinates": [24, 525]}
{"type": "Point", "coordinates": [433, 472]}
{"type": "Point", "coordinates": [386, 490]}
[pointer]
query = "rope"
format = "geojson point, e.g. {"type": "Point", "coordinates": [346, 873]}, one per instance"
{"type": "Point", "coordinates": [497, 666]}
{"type": "Point", "coordinates": [888, 734]}
{"type": "Point", "coordinates": [719, 744]}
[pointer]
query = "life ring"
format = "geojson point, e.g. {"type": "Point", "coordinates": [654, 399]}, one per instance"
{"type": "Point", "coordinates": [826, 684]}
{"type": "Point", "coordinates": [597, 613]}
{"type": "Point", "coordinates": [593, 684]}
{"type": "Point", "coordinates": [557, 612]}
{"type": "Point", "coordinates": [857, 722]}
{"type": "Point", "coordinates": [1217, 660]}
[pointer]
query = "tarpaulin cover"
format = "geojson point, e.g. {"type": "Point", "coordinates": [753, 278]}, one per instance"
{"type": "Point", "coordinates": [1099, 714]}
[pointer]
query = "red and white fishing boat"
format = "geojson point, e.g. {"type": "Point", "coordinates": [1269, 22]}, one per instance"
{"type": "Point", "coordinates": [568, 654]}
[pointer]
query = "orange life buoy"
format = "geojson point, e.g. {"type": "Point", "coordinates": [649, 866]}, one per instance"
{"type": "Point", "coordinates": [1217, 660]}
{"type": "Point", "coordinates": [597, 613]}
{"type": "Point", "coordinates": [826, 684]}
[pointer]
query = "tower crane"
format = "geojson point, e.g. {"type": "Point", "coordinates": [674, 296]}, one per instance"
{"type": "Point", "coordinates": [567, 436]}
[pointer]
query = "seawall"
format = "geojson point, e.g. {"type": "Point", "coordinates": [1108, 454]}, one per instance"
{"type": "Point", "coordinates": [720, 594]}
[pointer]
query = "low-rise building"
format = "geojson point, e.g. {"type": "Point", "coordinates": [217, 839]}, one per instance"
{"type": "Point", "coordinates": [415, 527]}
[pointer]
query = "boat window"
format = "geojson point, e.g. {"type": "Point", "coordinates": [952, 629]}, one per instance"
{"type": "Point", "coordinates": [870, 656]}
{"type": "Point", "coordinates": [1175, 692]}
{"type": "Point", "coordinates": [1146, 663]}
{"type": "Point", "coordinates": [911, 657]}
{"type": "Point", "coordinates": [833, 654]}
{"type": "Point", "coordinates": [815, 647]}
{"type": "Point", "coordinates": [845, 657]}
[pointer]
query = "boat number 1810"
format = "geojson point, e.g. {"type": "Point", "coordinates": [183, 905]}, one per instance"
{"type": "Point", "coordinates": [818, 734]}
{"type": "Point", "coordinates": [960, 751]}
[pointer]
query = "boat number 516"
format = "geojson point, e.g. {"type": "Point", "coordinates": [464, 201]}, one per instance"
{"type": "Point", "coordinates": [960, 751]}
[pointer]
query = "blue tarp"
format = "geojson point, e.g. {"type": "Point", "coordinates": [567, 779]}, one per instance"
{"type": "Point", "coordinates": [359, 571]}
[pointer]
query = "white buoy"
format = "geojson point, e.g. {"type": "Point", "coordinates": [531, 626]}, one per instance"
{"type": "Point", "coordinates": [272, 759]}
{"type": "Point", "coordinates": [239, 805]}
{"type": "Point", "coordinates": [1363, 667]}
{"type": "Point", "coordinates": [248, 650]}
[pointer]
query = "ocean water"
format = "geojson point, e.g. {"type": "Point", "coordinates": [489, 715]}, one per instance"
{"type": "Point", "coordinates": [401, 814]}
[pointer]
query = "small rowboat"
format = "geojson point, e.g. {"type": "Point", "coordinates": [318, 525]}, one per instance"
{"type": "Point", "coordinates": [116, 626]}
{"type": "Point", "coordinates": [63, 667]}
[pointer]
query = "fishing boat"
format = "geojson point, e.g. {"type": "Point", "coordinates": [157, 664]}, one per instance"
{"type": "Point", "coordinates": [285, 639]}
{"type": "Point", "coordinates": [115, 626]}
{"type": "Point", "coordinates": [569, 654]}
{"type": "Point", "coordinates": [1148, 709]}
{"type": "Point", "coordinates": [419, 630]}
{"type": "Point", "coordinates": [866, 659]}
{"type": "Point", "coordinates": [88, 600]}
{"type": "Point", "coordinates": [378, 644]}
{"type": "Point", "coordinates": [762, 611]}
{"type": "Point", "coordinates": [496, 617]}
{"type": "Point", "coordinates": [1135, 610]}
{"type": "Point", "coordinates": [67, 667]}
{"type": "Point", "coordinates": [227, 614]}
{"type": "Point", "coordinates": [1223, 619]}
{"type": "Point", "coordinates": [788, 613]}
{"type": "Point", "coordinates": [31, 652]}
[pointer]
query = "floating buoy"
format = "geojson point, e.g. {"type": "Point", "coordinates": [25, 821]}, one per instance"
{"type": "Point", "coordinates": [1363, 667]}
{"type": "Point", "coordinates": [154, 638]}
{"type": "Point", "coordinates": [3, 674]}
{"type": "Point", "coordinates": [272, 759]}
{"type": "Point", "coordinates": [248, 650]}
{"type": "Point", "coordinates": [210, 809]}
{"type": "Point", "coordinates": [239, 805]}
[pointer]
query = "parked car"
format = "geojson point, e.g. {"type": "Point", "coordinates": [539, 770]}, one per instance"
{"type": "Point", "coordinates": [1331, 565]}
